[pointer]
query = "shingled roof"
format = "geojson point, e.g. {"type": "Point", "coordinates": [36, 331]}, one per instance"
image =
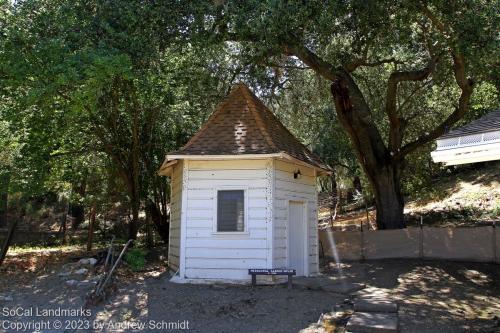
{"type": "Point", "coordinates": [243, 125]}
{"type": "Point", "coordinates": [487, 123]}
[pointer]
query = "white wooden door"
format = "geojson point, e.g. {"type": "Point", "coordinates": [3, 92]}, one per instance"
{"type": "Point", "coordinates": [296, 237]}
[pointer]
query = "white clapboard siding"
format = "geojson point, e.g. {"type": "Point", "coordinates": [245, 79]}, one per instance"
{"type": "Point", "coordinates": [253, 233]}
{"type": "Point", "coordinates": [214, 183]}
{"type": "Point", "coordinates": [288, 176]}
{"type": "Point", "coordinates": [212, 255]}
{"type": "Point", "coordinates": [194, 214]}
{"type": "Point", "coordinates": [204, 253]}
{"type": "Point", "coordinates": [228, 165]}
{"type": "Point", "coordinates": [269, 188]}
{"type": "Point", "coordinates": [217, 273]}
{"type": "Point", "coordinates": [175, 217]}
{"type": "Point", "coordinates": [227, 174]}
{"type": "Point", "coordinates": [292, 167]}
{"type": "Point", "coordinates": [215, 263]}
{"type": "Point", "coordinates": [298, 189]}
{"type": "Point", "coordinates": [205, 203]}
{"type": "Point", "coordinates": [303, 189]}
{"type": "Point", "coordinates": [224, 243]}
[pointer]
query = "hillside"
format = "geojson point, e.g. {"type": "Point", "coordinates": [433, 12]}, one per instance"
{"type": "Point", "coordinates": [466, 196]}
{"type": "Point", "coordinates": [470, 194]}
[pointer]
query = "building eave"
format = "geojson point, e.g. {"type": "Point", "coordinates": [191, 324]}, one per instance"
{"type": "Point", "coordinates": [170, 160]}
{"type": "Point", "coordinates": [467, 154]}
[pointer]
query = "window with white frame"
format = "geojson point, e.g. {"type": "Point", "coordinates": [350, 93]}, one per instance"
{"type": "Point", "coordinates": [230, 211]}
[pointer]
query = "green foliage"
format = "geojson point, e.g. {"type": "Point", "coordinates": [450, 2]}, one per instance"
{"type": "Point", "coordinates": [342, 33]}
{"type": "Point", "coordinates": [496, 212]}
{"type": "Point", "coordinates": [100, 91]}
{"type": "Point", "coordinates": [94, 93]}
{"type": "Point", "coordinates": [136, 258]}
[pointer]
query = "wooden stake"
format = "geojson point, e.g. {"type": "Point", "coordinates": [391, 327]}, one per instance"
{"type": "Point", "coordinates": [90, 237]}
{"type": "Point", "coordinates": [7, 241]}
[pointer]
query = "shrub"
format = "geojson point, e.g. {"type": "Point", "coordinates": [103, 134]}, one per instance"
{"type": "Point", "coordinates": [496, 211]}
{"type": "Point", "coordinates": [136, 258]}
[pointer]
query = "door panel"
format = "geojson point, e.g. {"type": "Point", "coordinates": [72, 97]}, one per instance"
{"type": "Point", "coordinates": [296, 237]}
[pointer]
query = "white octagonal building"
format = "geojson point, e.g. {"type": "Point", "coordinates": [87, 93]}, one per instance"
{"type": "Point", "coordinates": [243, 196]}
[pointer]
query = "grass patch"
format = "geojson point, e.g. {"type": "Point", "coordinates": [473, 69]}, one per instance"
{"type": "Point", "coordinates": [136, 258]}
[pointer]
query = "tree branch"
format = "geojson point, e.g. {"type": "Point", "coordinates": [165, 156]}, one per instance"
{"type": "Point", "coordinates": [311, 60]}
{"type": "Point", "coordinates": [352, 66]}
{"type": "Point", "coordinates": [391, 109]}
{"type": "Point", "coordinates": [465, 84]}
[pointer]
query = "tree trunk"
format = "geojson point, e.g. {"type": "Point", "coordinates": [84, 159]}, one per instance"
{"type": "Point", "coordinates": [90, 237]}
{"type": "Point", "coordinates": [133, 226]}
{"type": "Point", "coordinates": [64, 225]}
{"type": "Point", "coordinates": [77, 214]}
{"type": "Point", "coordinates": [388, 197]}
{"type": "Point", "coordinates": [77, 210]}
{"type": "Point", "coordinates": [334, 197]}
{"type": "Point", "coordinates": [7, 241]}
{"type": "Point", "coordinates": [383, 171]}
{"type": "Point", "coordinates": [149, 234]}
{"type": "Point", "coordinates": [4, 193]}
{"type": "Point", "coordinates": [160, 220]}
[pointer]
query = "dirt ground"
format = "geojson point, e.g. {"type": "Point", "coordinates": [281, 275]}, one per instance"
{"type": "Point", "coordinates": [433, 296]}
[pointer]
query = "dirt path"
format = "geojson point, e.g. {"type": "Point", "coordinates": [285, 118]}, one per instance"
{"type": "Point", "coordinates": [433, 297]}
{"type": "Point", "coordinates": [220, 308]}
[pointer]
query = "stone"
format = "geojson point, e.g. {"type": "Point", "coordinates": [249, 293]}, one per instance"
{"type": "Point", "coordinates": [72, 283]}
{"type": "Point", "coordinates": [369, 322]}
{"type": "Point", "coordinates": [87, 261]}
{"type": "Point", "coordinates": [305, 282]}
{"type": "Point", "coordinates": [85, 284]}
{"type": "Point", "coordinates": [364, 305]}
{"type": "Point", "coordinates": [83, 261]}
{"type": "Point", "coordinates": [328, 284]}
{"type": "Point", "coordinates": [218, 286]}
{"type": "Point", "coordinates": [95, 279]}
{"type": "Point", "coordinates": [343, 288]}
{"type": "Point", "coordinates": [81, 271]}
{"type": "Point", "coordinates": [64, 274]}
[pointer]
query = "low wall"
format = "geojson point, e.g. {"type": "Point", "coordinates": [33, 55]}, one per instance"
{"type": "Point", "coordinates": [480, 244]}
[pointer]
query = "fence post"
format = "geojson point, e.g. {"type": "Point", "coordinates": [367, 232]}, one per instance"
{"type": "Point", "coordinates": [421, 244]}
{"type": "Point", "coordinates": [495, 259]}
{"type": "Point", "coordinates": [362, 242]}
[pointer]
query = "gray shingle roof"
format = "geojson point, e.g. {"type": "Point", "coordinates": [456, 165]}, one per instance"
{"type": "Point", "coordinates": [487, 123]}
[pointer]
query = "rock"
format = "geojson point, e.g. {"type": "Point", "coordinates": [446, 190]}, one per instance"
{"type": "Point", "coordinates": [83, 261]}
{"type": "Point", "coordinates": [369, 322]}
{"type": "Point", "coordinates": [218, 286]}
{"type": "Point", "coordinates": [95, 279]}
{"type": "Point", "coordinates": [64, 274]}
{"type": "Point", "coordinates": [328, 284]}
{"type": "Point", "coordinates": [6, 298]}
{"type": "Point", "coordinates": [81, 271]}
{"type": "Point", "coordinates": [88, 261]}
{"type": "Point", "coordinates": [375, 306]}
{"type": "Point", "coordinates": [85, 284]}
{"type": "Point", "coordinates": [72, 283]}
{"type": "Point", "coordinates": [343, 288]}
